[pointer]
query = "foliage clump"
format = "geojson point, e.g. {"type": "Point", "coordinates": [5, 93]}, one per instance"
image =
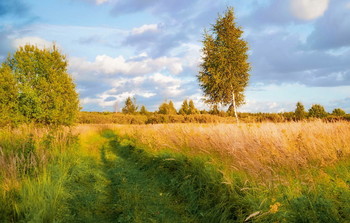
{"type": "Point", "coordinates": [338, 112]}
{"type": "Point", "coordinates": [36, 87]}
{"type": "Point", "coordinates": [317, 111]}
{"type": "Point", "coordinates": [300, 112]}
{"type": "Point", "coordinates": [224, 70]}
{"type": "Point", "coordinates": [167, 108]}
{"type": "Point", "coordinates": [130, 106]}
{"type": "Point", "coordinates": [143, 110]}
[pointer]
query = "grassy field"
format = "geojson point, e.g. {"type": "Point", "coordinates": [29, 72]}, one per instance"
{"type": "Point", "coordinates": [284, 172]}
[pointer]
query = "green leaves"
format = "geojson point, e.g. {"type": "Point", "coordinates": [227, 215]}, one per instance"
{"type": "Point", "coordinates": [224, 69]}
{"type": "Point", "coordinates": [130, 106]}
{"type": "Point", "coordinates": [317, 111]}
{"type": "Point", "coordinates": [188, 108]}
{"type": "Point", "coordinates": [338, 112]}
{"type": "Point", "coordinates": [8, 96]}
{"type": "Point", "coordinates": [44, 91]}
{"type": "Point", "coordinates": [300, 112]}
{"type": "Point", "coordinates": [167, 109]}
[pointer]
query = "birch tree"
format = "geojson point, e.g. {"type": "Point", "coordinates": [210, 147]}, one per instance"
{"type": "Point", "coordinates": [224, 71]}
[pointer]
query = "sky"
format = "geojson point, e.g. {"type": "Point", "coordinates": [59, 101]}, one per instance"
{"type": "Point", "coordinates": [151, 49]}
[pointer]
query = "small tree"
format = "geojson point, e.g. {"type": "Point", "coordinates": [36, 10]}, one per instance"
{"type": "Point", "coordinates": [45, 91]}
{"type": "Point", "coordinates": [184, 108]}
{"type": "Point", "coordinates": [172, 109]}
{"type": "Point", "coordinates": [299, 112]}
{"type": "Point", "coordinates": [192, 109]}
{"type": "Point", "coordinates": [163, 108]}
{"type": "Point", "coordinates": [214, 110]}
{"type": "Point", "coordinates": [224, 70]}
{"type": "Point", "coordinates": [230, 111]}
{"type": "Point", "coordinates": [317, 111]}
{"type": "Point", "coordinates": [338, 112]}
{"type": "Point", "coordinates": [167, 108]}
{"type": "Point", "coordinates": [144, 111]}
{"type": "Point", "coordinates": [130, 106]}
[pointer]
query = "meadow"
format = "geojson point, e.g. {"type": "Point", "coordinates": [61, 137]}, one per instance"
{"type": "Point", "coordinates": [251, 172]}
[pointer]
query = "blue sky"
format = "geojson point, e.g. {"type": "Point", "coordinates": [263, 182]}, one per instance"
{"type": "Point", "coordinates": [150, 50]}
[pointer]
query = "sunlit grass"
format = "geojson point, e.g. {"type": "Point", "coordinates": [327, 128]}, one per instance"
{"type": "Point", "coordinates": [257, 149]}
{"type": "Point", "coordinates": [296, 171]}
{"type": "Point", "coordinates": [293, 172]}
{"type": "Point", "coordinates": [35, 162]}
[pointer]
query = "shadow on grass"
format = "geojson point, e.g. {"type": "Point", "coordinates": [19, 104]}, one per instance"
{"type": "Point", "coordinates": [196, 186]}
{"type": "Point", "coordinates": [134, 195]}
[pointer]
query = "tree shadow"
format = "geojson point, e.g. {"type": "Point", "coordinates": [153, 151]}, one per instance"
{"type": "Point", "coordinates": [136, 194]}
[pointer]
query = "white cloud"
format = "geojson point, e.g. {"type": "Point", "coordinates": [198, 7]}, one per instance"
{"type": "Point", "coordinates": [167, 86]}
{"type": "Point", "coordinates": [33, 40]}
{"type": "Point", "coordinates": [145, 87]}
{"type": "Point", "coordinates": [99, 2]}
{"type": "Point", "coordinates": [266, 106]}
{"type": "Point", "coordinates": [309, 9]}
{"type": "Point", "coordinates": [101, 99]}
{"type": "Point", "coordinates": [145, 28]}
{"type": "Point", "coordinates": [162, 79]}
{"type": "Point", "coordinates": [88, 100]}
{"type": "Point", "coordinates": [119, 65]}
{"type": "Point", "coordinates": [192, 55]}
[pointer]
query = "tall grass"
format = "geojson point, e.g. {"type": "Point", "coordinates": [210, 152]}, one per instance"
{"type": "Point", "coordinates": [257, 149]}
{"type": "Point", "coordinates": [294, 172]}
{"type": "Point", "coordinates": [32, 172]}
{"type": "Point", "coordinates": [51, 174]}
{"type": "Point", "coordinates": [285, 172]}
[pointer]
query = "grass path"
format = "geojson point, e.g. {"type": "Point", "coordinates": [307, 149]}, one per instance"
{"type": "Point", "coordinates": [115, 189]}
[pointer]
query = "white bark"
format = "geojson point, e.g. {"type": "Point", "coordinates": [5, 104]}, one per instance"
{"type": "Point", "coordinates": [234, 106]}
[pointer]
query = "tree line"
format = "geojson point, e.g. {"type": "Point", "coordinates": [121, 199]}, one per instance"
{"type": "Point", "coordinates": [188, 108]}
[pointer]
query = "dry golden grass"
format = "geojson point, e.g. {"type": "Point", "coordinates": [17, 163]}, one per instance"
{"type": "Point", "coordinates": [260, 150]}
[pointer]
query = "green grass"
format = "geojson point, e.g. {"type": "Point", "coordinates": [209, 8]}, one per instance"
{"type": "Point", "coordinates": [315, 195]}
{"type": "Point", "coordinates": [104, 177]}
{"type": "Point", "coordinates": [75, 186]}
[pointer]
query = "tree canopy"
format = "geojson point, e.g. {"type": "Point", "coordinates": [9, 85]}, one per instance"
{"type": "Point", "coordinates": [143, 110]}
{"type": "Point", "coordinates": [300, 112]}
{"type": "Point", "coordinates": [167, 108]}
{"type": "Point", "coordinates": [317, 111]}
{"type": "Point", "coordinates": [8, 96]}
{"type": "Point", "coordinates": [130, 106]}
{"type": "Point", "coordinates": [224, 70]}
{"type": "Point", "coordinates": [192, 110]}
{"type": "Point", "coordinates": [338, 112]}
{"type": "Point", "coordinates": [39, 86]}
{"type": "Point", "coordinates": [214, 110]}
{"type": "Point", "coordinates": [184, 108]}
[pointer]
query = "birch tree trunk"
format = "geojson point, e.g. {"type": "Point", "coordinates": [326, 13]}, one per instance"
{"type": "Point", "coordinates": [234, 106]}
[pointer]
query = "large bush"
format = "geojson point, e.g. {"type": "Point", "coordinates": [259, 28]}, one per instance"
{"type": "Point", "coordinates": [39, 88]}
